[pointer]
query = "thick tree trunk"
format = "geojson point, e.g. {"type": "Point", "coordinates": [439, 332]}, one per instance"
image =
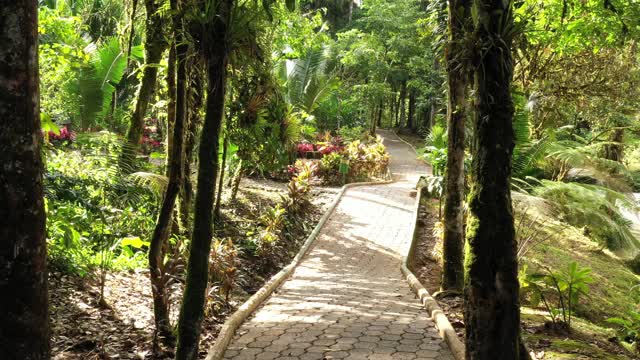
{"type": "Point", "coordinates": [24, 317]}
{"type": "Point", "coordinates": [192, 311]}
{"type": "Point", "coordinates": [154, 46]}
{"type": "Point", "coordinates": [492, 314]}
{"type": "Point", "coordinates": [453, 240]}
{"type": "Point", "coordinates": [175, 169]}
{"type": "Point", "coordinates": [380, 110]}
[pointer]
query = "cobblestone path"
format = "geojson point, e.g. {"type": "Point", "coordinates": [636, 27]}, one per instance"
{"type": "Point", "coordinates": [348, 298]}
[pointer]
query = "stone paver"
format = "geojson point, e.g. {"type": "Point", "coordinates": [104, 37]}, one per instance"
{"type": "Point", "coordinates": [348, 298]}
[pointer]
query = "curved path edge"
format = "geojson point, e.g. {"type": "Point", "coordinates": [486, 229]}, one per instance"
{"type": "Point", "coordinates": [430, 304]}
{"type": "Point", "coordinates": [228, 330]}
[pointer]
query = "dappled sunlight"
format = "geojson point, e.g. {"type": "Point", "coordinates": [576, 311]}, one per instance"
{"type": "Point", "coordinates": [348, 297]}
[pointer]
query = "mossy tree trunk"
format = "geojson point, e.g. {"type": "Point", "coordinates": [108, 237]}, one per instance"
{"type": "Point", "coordinates": [457, 81]}
{"type": "Point", "coordinates": [175, 172]}
{"type": "Point", "coordinates": [171, 101]}
{"type": "Point", "coordinates": [24, 316]}
{"type": "Point", "coordinates": [192, 311]}
{"type": "Point", "coordinates": [154, 46]}
{"type": "Point", "coordinates": [491, 303]}
{"type": "Point", "coordinates": [195, 100]}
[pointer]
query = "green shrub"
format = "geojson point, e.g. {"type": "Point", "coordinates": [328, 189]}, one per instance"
{"type": "Point", "coordinates": [629, 329]}
{"type": "Point", "coordinates": [634, 264]}
{"type": "Point", "coordinates": [565, 286]}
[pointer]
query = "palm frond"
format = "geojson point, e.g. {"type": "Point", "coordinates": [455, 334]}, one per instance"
{"type": "Point", "coordinates": [156, 183]}
{"type": "Point", "coordinates": [595, 208]}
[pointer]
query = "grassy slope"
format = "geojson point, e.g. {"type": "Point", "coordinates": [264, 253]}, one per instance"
{"type": "Point", "coordinates": [610, 296]}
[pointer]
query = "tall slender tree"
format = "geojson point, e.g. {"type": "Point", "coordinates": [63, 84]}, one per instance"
{"type": "Point", "coordinates": [456, 60]}
{"type": "Point", "coordinates": [24, 317]}
{"type": "Point", "coordinates": [175, 173]}
{"type": "Point", "coordinates": [492, 311]}
{"type": "Point", "coordinates": [154, 45]}
{"type": "Point", "coordinates": [216, 52]}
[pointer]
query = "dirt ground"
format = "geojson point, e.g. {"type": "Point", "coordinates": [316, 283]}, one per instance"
{"type": "Point", "coordinates": [82, 329]}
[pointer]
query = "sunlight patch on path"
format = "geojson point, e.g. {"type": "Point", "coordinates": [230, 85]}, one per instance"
{"type": "Point", "coordinates": [348, 298]}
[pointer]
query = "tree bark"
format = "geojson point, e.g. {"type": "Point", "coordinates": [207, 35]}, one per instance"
{"type": "Point", "coordinates": [192, 311]}
{"type": "Point", "coordinates": [457, 78]}
{"type": "Point", "coordinates": [225, 146]}
{"type": "Point", "coordinates": [492, 314]}
{"type": "Point", "coordinates": [195, 104]}
{"type": "Point", "coordinates": [411, 125]}
{"type": "Point", "coordinates": [236, 180]}
{"type": "Point", "coordinates": [402, 101]}
{"type": "Point", "coordinates": [171, 103]}
{"type": "Point", "coordinates": [175, 169]}
{"type": "Point", "coordinates": [154, 46]}
{"type": "Point", "coordinates": [615, 152]}
{"type": "Point", "coordinates": [24, 318]}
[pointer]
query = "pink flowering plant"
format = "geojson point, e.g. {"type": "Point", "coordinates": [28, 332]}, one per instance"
{"type": "Point", "coordinates": [64, 135]}
{"type": "Point", "coordinates": [151, 140]}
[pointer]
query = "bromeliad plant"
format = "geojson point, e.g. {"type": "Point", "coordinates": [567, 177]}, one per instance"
{"type": "Point", "coordinates": [223, 269]}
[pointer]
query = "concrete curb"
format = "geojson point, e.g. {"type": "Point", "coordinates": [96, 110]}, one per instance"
{"type": "Point", "coordinates": [228, 330]}
{"type": "Point", "coordinates": [430, 304]}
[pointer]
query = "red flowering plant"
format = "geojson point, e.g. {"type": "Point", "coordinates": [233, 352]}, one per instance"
{"type": "Point", "coordinates": [304, 148]}
{"type": "Point", "coordinates": [330, 145]}
{"type": "Point", "coordinates": [151, 140]}
{"type": "Point", "coordinates": [64, 135]}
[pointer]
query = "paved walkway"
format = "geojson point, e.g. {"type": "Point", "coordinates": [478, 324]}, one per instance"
{"type": "Point", "coordinates": [348, 298]}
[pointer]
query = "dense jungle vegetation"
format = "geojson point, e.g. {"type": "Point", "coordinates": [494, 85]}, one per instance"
{"type": "Point", "coordinates": [162, 159]}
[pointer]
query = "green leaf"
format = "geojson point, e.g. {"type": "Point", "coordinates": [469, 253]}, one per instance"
{"type": "Point", "coordinates": [48, 125]}
{"type": "Point", "coordinates": [135, 242]}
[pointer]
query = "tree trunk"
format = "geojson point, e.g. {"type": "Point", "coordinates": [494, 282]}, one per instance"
{"type": "Point", "coordinates": [175, 169]}
{"type": "Point", "coordinates": [154, 46]}
{"type": "Point", "coordinates": [615, 151]}
{"type": "Point", "coordinates": [236, 180]}
{"type": "Point", "coordinates": [453, 240]}
{"type": "Point", "coordinates": [24, 318]}
{"type": "Point", "coordinates": [492, 314]}
{"type": "Point", "coordinates": [380, 110]}
{"type": "Point", "coordinates": [192, 311]}
{"type": "Point", "coordinates": [195, 99]}
{"type": "Point", "coordinates": [171, 103]}
{"type": "Point", "coordinates": [225, 145]}
{"type": "Point", "coordinates": [403, 97]}
{"type": "Point", "coordinates": [411, 125]}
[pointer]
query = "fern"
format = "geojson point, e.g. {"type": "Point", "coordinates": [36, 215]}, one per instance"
{"type": "Point", "coordinates": [596, 208]}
